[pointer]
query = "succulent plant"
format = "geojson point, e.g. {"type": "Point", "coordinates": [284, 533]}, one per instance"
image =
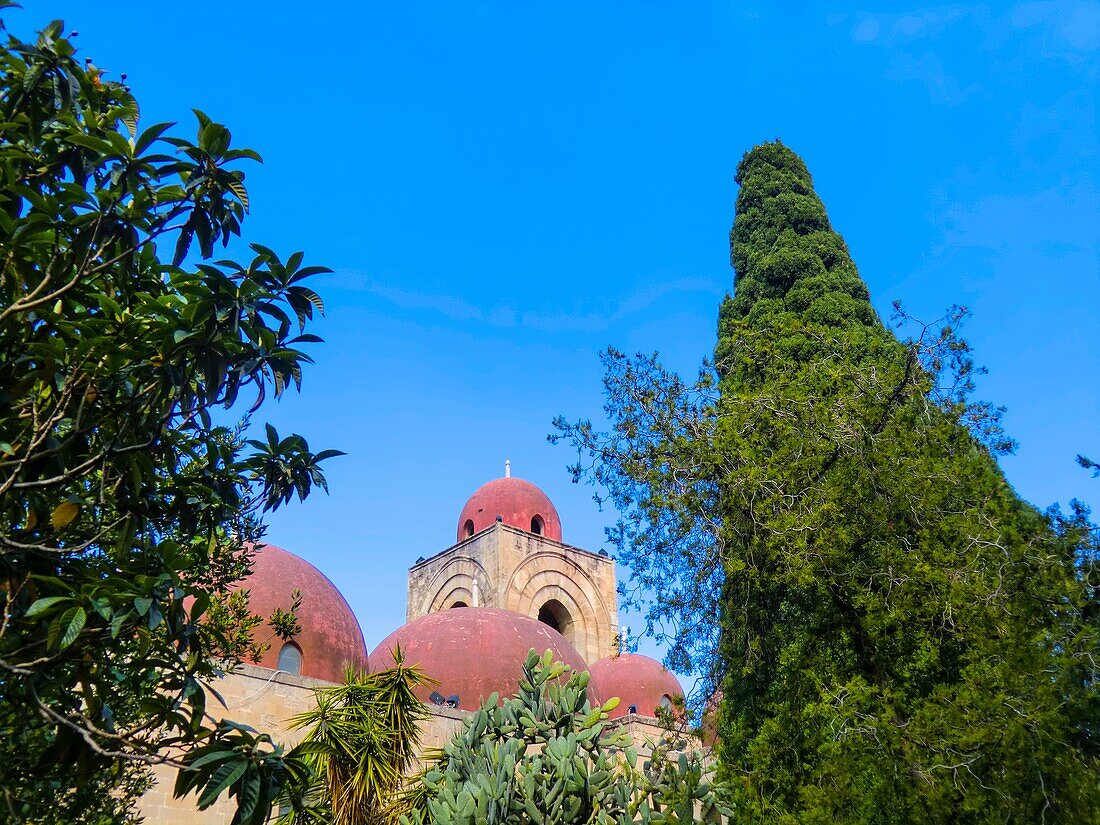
{"type": "Point", "coordinates": [547, 755]}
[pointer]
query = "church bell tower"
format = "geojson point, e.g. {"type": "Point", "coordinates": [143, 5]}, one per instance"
{"type": "Point", "coordinates": [509, 553]}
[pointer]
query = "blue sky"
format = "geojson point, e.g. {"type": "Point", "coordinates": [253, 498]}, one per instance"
{"type": "Point", "coordinates": [505, 189]}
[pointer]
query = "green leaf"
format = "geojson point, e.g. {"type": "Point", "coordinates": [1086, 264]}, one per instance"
{"type": "Point", "coordinates": [150, 135]}
{"type": "Point", "coordinates": [237, 188]}
{"type": "Point", "coordinates": [64, 628]}
{"type": "Point", "coordinates": [73, 626]}
{"type": "Point", "coordinates": [248, 795]}
{"type": "Point", "coordinates": [117, 621]}
{"type": "Point", "coordinates": [97, 145]}
{"type": "Point", "coordinates": [223, 777]}
{"type": "Point", "coordinates": [41, 605]}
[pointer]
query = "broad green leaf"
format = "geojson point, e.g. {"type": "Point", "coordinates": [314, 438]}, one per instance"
{"type": "Point", "coordinates": [72, 627]}
{"type": "Point", "coordinates": [41, 605]}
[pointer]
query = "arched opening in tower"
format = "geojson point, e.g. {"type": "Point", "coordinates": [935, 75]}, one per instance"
{"type": "Point", "coordinates": [537, 525]}
{"type": "Point", "coordinates": [468, 528]}
{"type": "Point", "coordinates": [554, 614]}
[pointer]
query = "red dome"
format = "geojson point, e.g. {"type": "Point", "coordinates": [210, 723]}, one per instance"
{"type": "Point", "coordinates": [637, 680]}
{"type": "Point", "coordinates": [330, 633]}
{"type": "Point", "coordinates": [519, 503]}
{"type": "Point", "coordinates": [473, 651]}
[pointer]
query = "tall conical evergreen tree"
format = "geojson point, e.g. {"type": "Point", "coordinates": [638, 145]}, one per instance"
{"type": "Point", "coordinates": [791, 267]}
{"type": "Point", "coordinates": [904, 640]}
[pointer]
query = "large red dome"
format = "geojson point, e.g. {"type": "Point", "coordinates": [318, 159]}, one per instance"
{"type": "Point", "coordinates": [519, 503]}
{"type": "Point", "coordinates": [330, 634]}
{"type": "Point", "coordinates": [639, 682]}
{"type": "Point", "coordinates": [474, 651]}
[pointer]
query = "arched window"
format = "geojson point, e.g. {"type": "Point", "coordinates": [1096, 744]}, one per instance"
{"type": "Point", "coordinates": [666, 701]}
{"type": "Point", "coordinates": [554, 614]}
{"type": "Point", "coordinates": [547, 617]}
{"type": "Point", "coordinates": [468, 528]}
{"type": "Point", "coordinates": [458, 604]}
{"type": "Point", "coordinates": [290, 659]}
{"type": "Point", "coordinates": [537, 525]}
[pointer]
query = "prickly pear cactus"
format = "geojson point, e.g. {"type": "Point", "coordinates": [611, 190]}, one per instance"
{"type": "Point", "coordinates": [548, 756]}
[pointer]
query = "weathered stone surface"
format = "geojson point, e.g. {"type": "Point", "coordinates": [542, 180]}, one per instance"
{"type": "Point", "coordinates": [518, 570]}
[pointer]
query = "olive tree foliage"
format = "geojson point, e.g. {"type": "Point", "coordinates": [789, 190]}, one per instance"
{"type": "Point", "coordinates": [547, 755]}
{"type": "Point", "coordinates": [821, 526]}
{"type": "Point", "coordinates": [128, 509]}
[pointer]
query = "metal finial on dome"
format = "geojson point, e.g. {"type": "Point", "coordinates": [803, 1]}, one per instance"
{"type": "Point", "coordinates": [507, 468]}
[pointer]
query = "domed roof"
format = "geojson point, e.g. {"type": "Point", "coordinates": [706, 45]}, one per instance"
{"type": "Point", "coordinates": [330, 633]}
{"type": "Point", "coordinates": [519, 503]}
{"type": "Point", "coordinates": [473, 651]}
{"type": "Point", "coordinates": [637, 680]}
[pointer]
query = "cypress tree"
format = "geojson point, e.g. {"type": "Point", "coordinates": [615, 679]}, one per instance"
{"type": "Point", "coordinates": [903, 639]}
{"type": "Point", "coordinates": [788, 260]}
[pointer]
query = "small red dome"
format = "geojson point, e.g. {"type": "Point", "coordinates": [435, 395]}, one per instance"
{"type": "Point", "coordinates": [474, 651]}
{"type": "Point", "coordinates": [519, 504]}
{"type": "Point", "coordinates": [330, 634]}
{"type": "Point", "coordinates": [637, 680]}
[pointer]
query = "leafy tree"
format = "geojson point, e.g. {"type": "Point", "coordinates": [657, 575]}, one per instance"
{"type": "Point", "coordinates": [253, 768]}
{"type": "Point", "coordinates": [901, 638]}
{"type": "Point", "coordinates": [546, 755]}
{"type": "Point", "coordinates": [128, 509]}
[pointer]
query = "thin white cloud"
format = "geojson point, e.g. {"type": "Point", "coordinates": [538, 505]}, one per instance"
{"type": "Point", "coordinates": [1067, 30]}
{"type": "Point", "coordinates": [894, 29]}
{"type": "Point", "coordinates": [507, 317]}
{"type": "Point", "coordinates": [455, 308]}
{"type": "Point", "coordinates": [928, 70]}
{"type": "Point", "coordinates": [1006, 223]}
{"type": "Point", "coordinates": [867, 30]}
{"type": "Point", "coordinates": [645, 297]}
{"type": "Point", "coordinates": [1075, 23]}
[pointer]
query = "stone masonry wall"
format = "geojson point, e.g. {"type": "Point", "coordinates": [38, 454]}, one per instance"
{"type": "Point", "coordinates": [520, 571]}
{"type": "Point", "coordinates": [265, 700]}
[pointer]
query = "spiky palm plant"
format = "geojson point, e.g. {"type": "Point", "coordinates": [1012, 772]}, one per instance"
{"type": "Point", "coordinates": [362, 739]}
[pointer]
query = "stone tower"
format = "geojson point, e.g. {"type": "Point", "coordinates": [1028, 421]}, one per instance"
{"type": "Point", "coordinates": [509, 554]}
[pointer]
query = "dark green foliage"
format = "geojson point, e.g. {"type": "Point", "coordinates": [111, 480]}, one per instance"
{"type": "Point", "coordinates": [901, 639]}
{"type": "Point", "coordinates": [905, 640]}
{"type": "Point", "coordinates": [102, 797]}
{"type": "Point", "coordinates": [247, 765]}
{"type": "Point", "coordinates": [548, 756]}
{"type": "Point", "coordinates": [790, 266]}
{"type": "Point", "coordinates": [127, 508]}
